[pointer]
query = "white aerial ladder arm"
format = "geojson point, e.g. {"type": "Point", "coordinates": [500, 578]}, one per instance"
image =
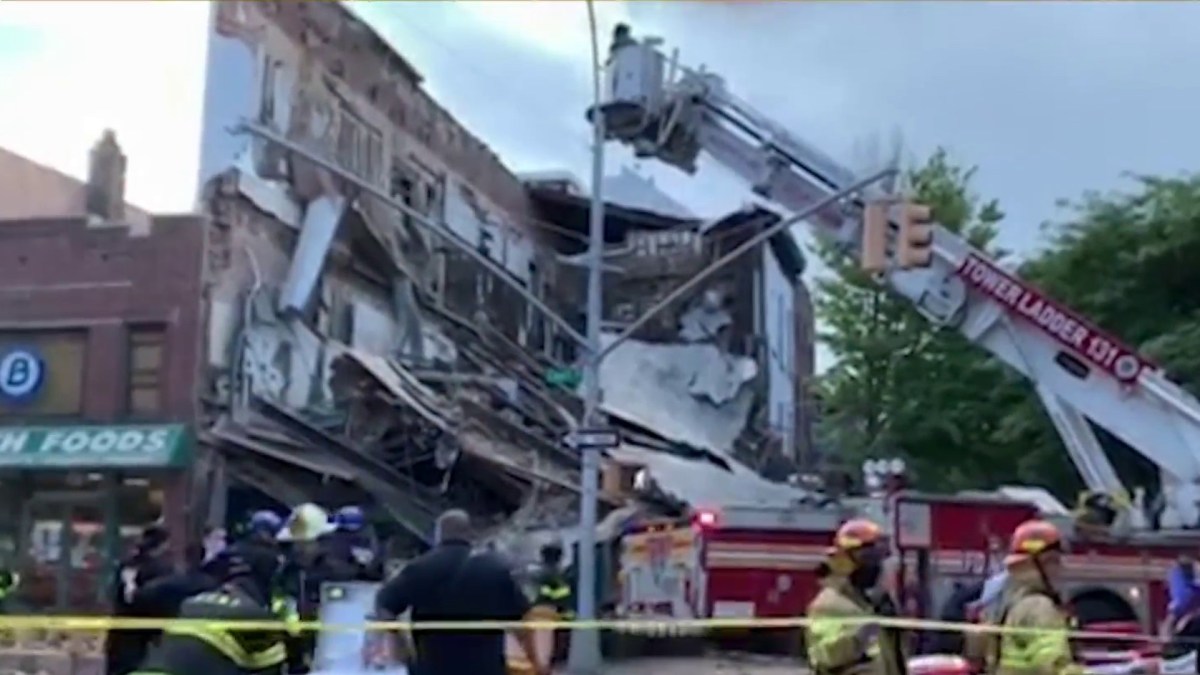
{"type": "Point", "coordinates": [1080, 373]}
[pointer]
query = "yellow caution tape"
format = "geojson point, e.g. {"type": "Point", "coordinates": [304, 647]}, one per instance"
{"type": "Point", "coordinates": [105, 623]}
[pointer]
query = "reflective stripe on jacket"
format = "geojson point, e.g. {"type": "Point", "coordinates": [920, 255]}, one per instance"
{"type": "Point", "coordinates": [230, 648]}
{"type": "Point", "coordinates": [285, 608]}
{"type": "Point", "coordinates": [554, 593]}
{"type": "Point", "coordinates": [247, 650]}
{"type": "Point", "coordinates": [1044, 650]}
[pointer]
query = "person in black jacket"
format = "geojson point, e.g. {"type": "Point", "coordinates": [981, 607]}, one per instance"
{"type": "Point", "coordinates": [195, 648]}
{"type": "Point", "coordinates": [955, 610]}
{"type": "Point", "coordinates": [452, 583]}
{"type": "Point", "coordinates": [352, 548]}
{"type": "Point", "coordinates": [124, 649]}
{"type": "Point", "coordinates": [163, 597]}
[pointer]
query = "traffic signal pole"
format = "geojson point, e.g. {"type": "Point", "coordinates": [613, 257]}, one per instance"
{"type": "Point", "coordinates": [584, 657]}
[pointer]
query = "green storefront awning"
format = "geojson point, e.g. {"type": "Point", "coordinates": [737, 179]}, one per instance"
{"type": "Point", "coordinates": [96, 447]}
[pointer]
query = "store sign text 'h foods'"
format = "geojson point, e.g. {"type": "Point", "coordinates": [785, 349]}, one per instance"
{"type": "Point", "coordinates": [161, 445]}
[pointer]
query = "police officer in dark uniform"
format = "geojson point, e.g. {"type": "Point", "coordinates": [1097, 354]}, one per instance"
{"type": "Point", "coordinates": [195, 648]}
{"type": "Point", "coordinates": [554, 590]}
{"type": "Point", "coordinates": [263, 528]}
{"type": "Point", "coordinates": [351, 548]}
{"type": "Point", "coordinates": [261, 534]}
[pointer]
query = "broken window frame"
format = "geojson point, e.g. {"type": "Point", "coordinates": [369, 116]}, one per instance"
{"type": "Point", "coordinates": [359, 146]}
{"type": "Point", "coordinates": [269, 85]}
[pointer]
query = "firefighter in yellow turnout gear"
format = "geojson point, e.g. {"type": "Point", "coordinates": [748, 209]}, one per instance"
{"type": "Point", "coordinates": [554, 591]}
{"type": "Point", "coordinates": [206, 644]}
{"type": "Point", "coordinates": [1039, 644]}
{"type": "Point", "coordinates": [853, 569]}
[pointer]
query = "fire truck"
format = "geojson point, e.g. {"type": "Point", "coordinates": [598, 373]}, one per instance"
{"type": "Point", "coordinates": [1084, 377]}
{"type": "Point", "coordinates": [736, 562]}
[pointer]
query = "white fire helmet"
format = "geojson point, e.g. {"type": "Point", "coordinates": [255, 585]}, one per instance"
{"type": "Point", "coordinates": [307, 522]}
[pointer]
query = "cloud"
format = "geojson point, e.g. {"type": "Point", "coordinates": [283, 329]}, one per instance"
{"type": "Point", "coordinates": [85, 66]}
{"type": "Point", "coordinates": [1049, 99]}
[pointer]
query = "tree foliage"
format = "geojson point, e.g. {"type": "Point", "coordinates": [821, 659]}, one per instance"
{"type": "Point", "coordinates": [903, 387]}
{"type": "Point", "coordinates": [893, 369]}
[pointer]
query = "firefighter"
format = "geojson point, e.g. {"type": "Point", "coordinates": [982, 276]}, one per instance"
{"type": "Point", "coordinates": [195, 648]}
{"type": "Point", "coordinates": [1032, 606]}
{"type": "Point", "coordinates": [554, 590]}
{"type": "Point", "coordinates": [305, 570]}
{"type": "Point", "coordinates": [852, 572]}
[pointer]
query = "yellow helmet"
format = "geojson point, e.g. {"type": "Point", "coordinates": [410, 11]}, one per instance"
{"type": "Point", "coordinates": [307, 522]}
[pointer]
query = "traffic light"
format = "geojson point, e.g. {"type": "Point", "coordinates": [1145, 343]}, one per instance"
{"type": "Point", "coordinates": [915, 243]}
{"type": "Point", "coordinates": [874, 238]}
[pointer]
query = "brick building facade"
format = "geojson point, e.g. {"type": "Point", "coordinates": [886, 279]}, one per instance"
{"type": "Point", "coordinates": [100, 323]}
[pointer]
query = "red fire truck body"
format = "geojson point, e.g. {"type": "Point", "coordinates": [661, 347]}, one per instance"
{"type": "Point", "coordinates": [941, 541]}
{"type": "Point", "coordinates": [745, 563]}
{"type": "Point", "coordinates": [733, 563]}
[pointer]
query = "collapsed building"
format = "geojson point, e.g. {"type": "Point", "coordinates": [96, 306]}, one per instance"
{"type": "Point", "coordinates": [359, 352]}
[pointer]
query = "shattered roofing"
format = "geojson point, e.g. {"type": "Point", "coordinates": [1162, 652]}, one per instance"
{"type": "Point", "coordinates": [632, 190]}
{"type": "Point", "coordinates": [692, 394]}
{"type": "Point", "coordinates": [700, 483]}
{"type": "Point", "coordinates": [574, 211]}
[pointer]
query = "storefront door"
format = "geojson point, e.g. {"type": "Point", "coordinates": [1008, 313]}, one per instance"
{"type": "Point", "coordinates": [69, 548]}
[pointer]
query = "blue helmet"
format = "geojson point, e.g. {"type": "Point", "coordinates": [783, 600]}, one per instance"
{"type": "Point", "coordinates": [265, 522]}
{"type": "Point", "coordinates": [350, 519]}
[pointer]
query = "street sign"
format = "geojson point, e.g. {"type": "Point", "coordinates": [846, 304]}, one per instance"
{"type": "Point", "coordinates": [567, 378]}
{"type": "Point", "coordinates": [593, 439]}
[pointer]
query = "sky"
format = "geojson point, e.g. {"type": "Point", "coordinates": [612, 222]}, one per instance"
{"type": "Point", "coordinates": [1048, 99]}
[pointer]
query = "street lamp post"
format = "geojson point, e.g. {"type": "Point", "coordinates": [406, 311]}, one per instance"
{"type": "Point", "coordinates": [585, 656]}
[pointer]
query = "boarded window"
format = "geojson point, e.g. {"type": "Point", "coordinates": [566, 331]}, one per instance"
{"type": "Point", "coordinates": [60, 391]}
{"type": "Point", "coordinates": [147, 361]}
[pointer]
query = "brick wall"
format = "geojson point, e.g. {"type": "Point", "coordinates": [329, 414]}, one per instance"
{"type": "Point", "coordinates": [63, 274]}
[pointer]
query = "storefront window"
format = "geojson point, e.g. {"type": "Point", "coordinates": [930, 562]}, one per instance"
{"type": "Point", "coordinates": [63, 547]}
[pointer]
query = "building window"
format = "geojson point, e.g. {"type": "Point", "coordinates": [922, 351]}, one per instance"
{"type": "Point", "coordinates": [267, 109]}
{"type": "Point", "coordinates": [359, 147]}
{"type": "Point", "coordinates": [147, 351]}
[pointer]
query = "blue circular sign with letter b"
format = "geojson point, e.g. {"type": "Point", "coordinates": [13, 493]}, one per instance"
{"type": "Point", "coordinates": [22, 372]}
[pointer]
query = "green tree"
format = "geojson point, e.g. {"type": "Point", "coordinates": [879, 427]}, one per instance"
{"type": "Point", "coordinates": [901, 386]}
